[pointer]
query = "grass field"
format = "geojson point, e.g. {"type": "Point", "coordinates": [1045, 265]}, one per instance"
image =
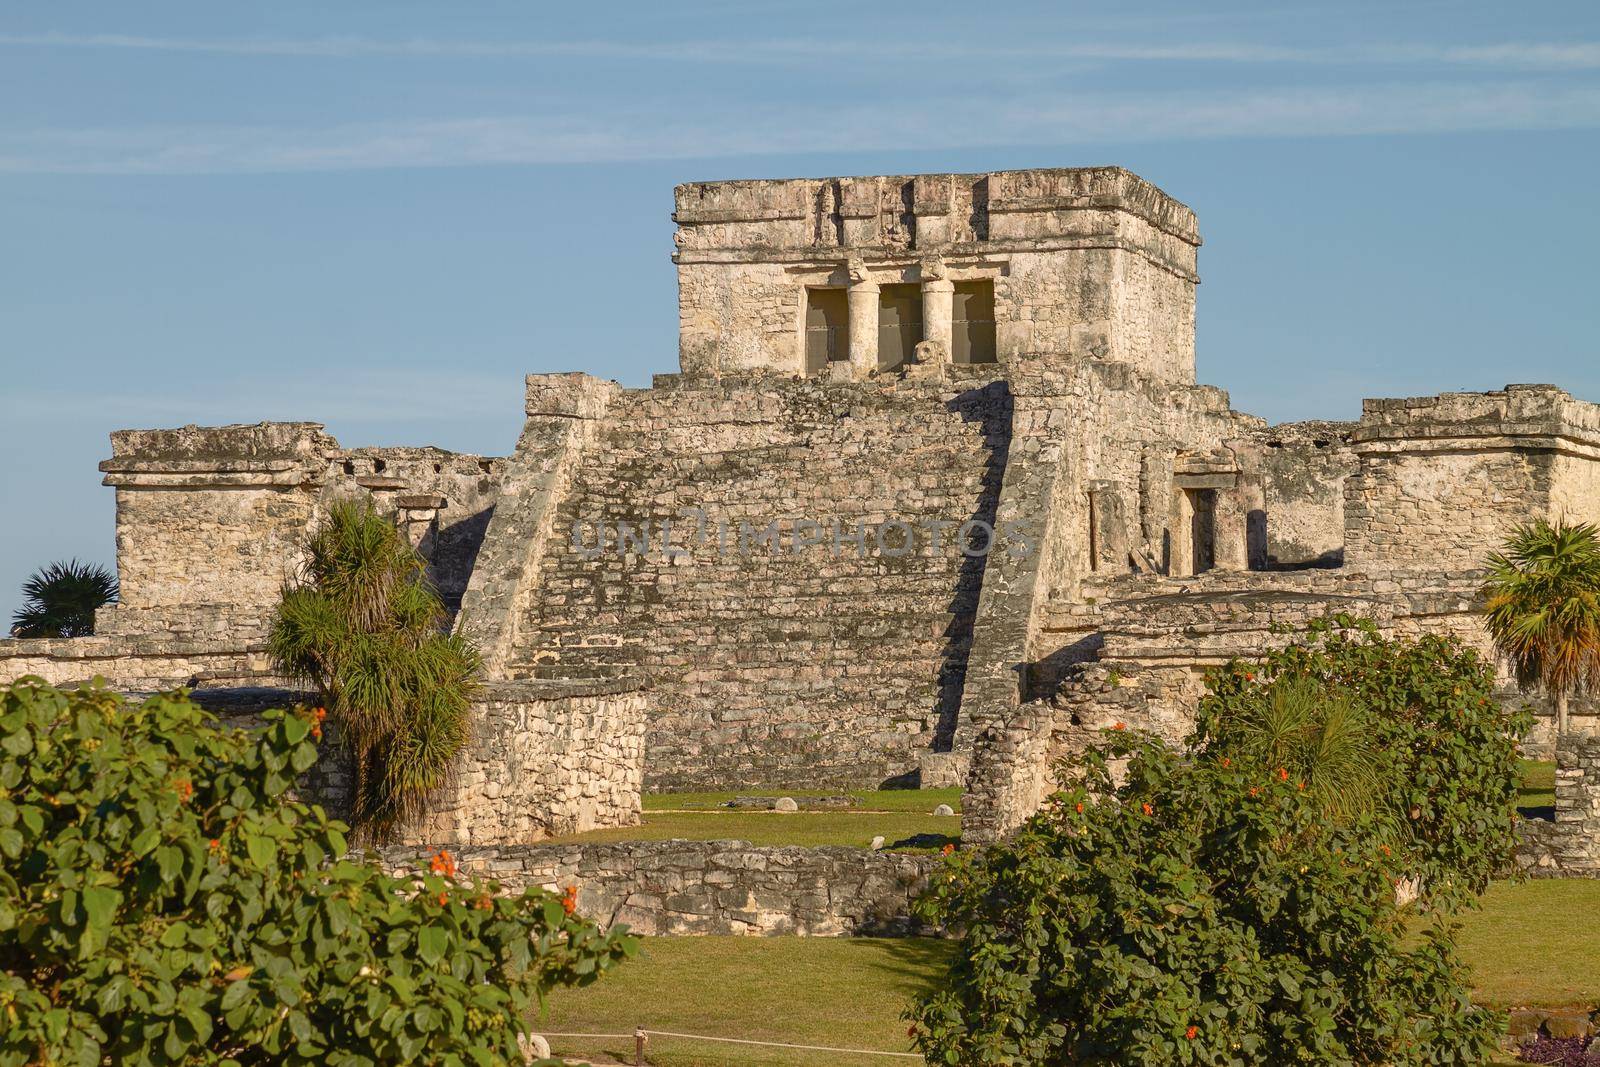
{"type": "Point", "coordinates": [1537, 793]}
{"type": "Point", "coordinates": [912, 800]}
{"type": "Point", "coordinates": [852, 828]}
{"type": "Point", "coordinates": [894, 814]}
{"type": "Point", "coordinates": [1534, 944]}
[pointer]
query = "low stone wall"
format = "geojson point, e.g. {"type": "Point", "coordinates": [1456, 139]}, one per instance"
{"type": "Point", "coordinates": [1569, 845]}
{"type": "Point", "coordinates": [547, 757]}
{"type": "Point", "coordinates": [715, 887]}
{"type": "Point", "coordinates": [135, 663]}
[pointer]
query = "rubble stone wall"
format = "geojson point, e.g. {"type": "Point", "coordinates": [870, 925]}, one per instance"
{"type": "Point", "coordinates": [211, 520]}
{"type": "Point", "coordinates": [714, 887]}
{"type": "Point", "coordinates": [1568, 845]}
{"type": "Point", "coordinates": [546, 758]}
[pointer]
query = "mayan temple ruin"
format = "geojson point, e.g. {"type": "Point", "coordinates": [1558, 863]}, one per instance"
{"type": "Point", "coordinates": [933, 497]}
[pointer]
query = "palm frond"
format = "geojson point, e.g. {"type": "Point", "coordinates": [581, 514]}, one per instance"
{"type": "Point", "coordinates": [60, 600]}
{"type": "Point", "coordinates": [364, 625]}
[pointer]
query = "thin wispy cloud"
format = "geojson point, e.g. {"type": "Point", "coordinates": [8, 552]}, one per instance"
{"type": "Point", "coordinates": [1575, 55]}
{"type": "Point", "coordinates": [673, 132]}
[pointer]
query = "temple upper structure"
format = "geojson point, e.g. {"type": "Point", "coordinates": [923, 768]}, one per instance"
{"type": "Point", "coordinates": [855, 277]}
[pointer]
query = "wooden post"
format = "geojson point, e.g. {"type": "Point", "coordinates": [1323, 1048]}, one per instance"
{"type": "Point", "coordinates": [639, 1040]}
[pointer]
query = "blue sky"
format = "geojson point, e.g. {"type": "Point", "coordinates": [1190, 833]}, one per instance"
{"type": "Point", "coordinates": [381, 215]}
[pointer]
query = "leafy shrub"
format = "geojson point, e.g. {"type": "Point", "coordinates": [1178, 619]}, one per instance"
{"type": "Point", "coordinates": [1200, 913]}
{"type": "Point", "coordinates": [364, 626]}
{"type": "Point", "coordinates": [1444, 749]}
{"type": "Point", "coordinates": [164, 899]}
{"type": "Point", "coordinates": [60, 600]}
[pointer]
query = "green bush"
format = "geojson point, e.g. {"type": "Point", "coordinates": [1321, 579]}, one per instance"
{"type": "Point", "coordinates": [1200, 913]}
{"type": "Point", "coordinates": [1444, 751]}
{"type": "Point", "coordinates": [164, 899]}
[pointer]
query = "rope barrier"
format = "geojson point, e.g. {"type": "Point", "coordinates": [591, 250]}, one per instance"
{"type": "Point", "coordinates": [783, 1044]}
{"type": "Point", "coordinates": [734, 1041]}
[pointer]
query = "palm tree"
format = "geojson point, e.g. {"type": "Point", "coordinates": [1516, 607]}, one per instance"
{"type": "Point", "coordinates": [1543, 608]}
{"type": "Point", "coordinates": [363, 624]}
{"type": "Point", "coordinates": [60, 600]}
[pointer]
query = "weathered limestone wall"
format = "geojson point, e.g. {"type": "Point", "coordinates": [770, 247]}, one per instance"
{"type": "Point", "coordinates": [210, 520]}
{"type": "Point", "coordinates": [1444, 479]}
{"type": "Point", "coordinates": [132, 663]}
{"type": "Point", "coordinates": [1567, 846]}
{"type": "Point", "coordinates": [1086, 264]}
{"type": "Point", "coordinates": [1300, 469]}
{"type": "Point", "coordinates": [209, 516]}
{"type": "Point", "coordinates": [714, 887]}
{"type": "Point", "coordinates": [546, 758]}
{"type": "Point", "coordinates": [787, 666]}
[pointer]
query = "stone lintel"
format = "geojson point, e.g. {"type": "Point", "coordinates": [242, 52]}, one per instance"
{"type": "Point", "coordinates": [1207, 480]}
{"type": "Point", "coordinates": [969, 255]}
{"type": "Point", "coordinates": [1045, 191]}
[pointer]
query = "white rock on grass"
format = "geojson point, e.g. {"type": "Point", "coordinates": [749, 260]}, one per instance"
{"type": "Point", "coordinates": [877, 843]}
{"type": "Point", "coordinates": [533, 1047]}
{"type": "Point", "coordinates": [786, 804]}
{"type": "Point", "coordinates": [944, 809]}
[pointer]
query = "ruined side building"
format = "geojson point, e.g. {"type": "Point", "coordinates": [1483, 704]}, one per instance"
{"type": "Point", "coordinates": [775, 567]}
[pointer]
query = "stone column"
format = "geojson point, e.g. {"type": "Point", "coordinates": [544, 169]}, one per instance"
{"type": "Point", "coordinates": [938, 296]}
{"type": "Point", "coordinates": [863, 299]}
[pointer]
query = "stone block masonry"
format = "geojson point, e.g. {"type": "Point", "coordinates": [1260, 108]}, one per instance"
{"type": "Point", "coordinates": [546, 758]}
{"type": "Point", "coordinates": [1569, 844]}
{"type": "Point", "coordinates": [713, 887]}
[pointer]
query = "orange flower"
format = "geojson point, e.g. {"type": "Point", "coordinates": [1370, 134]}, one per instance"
{"type": "Point", "coordinates": [1148, 810]}
{"type": "Point", "coordinates": [1300, 785]}
{"type": "Point", "coordinates": [1226, 762]}
{"type": "Point", "coordinates": [316, 732]}
{"type": "Point", "coordinates": [1283, 775]}
{"type": "Point", "coordinates": [443, 863]}
{"type": "Point", "coordinates": [184, 788]}
{"type": "Point", "coordinates": [1249, 676]}
{"type": "Point", "coordinates": [1384, 849]}
{"type": "Point", "coordinates": [320, 714]}
{"type": "Point", "coordinates": [1080, 807]}
{"type": "Point", "coordinates": [1120, 726]}
{"type": "Point", "coordinates": [947, 850]}
{"type": "Point", "coordinates": [569, 899]}
{"type": "Point", "coordinates": [1254, 791]}
{"type": "Point", "coordinates": [1192, 1033]}
{"type": "Point", "coordinates": [444, 898]}
{"type": "Point", "coordinates": [214, 844]}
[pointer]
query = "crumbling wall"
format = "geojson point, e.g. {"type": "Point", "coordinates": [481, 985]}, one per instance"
{"type": "Point", "coordinates": [714, 887]}
{"type": "Point", "coordinates": [1444, 479]}
{"type": "Point", "coordinates": [211, 520]}
{"type": "Point", "coordinates": [1300, 469]}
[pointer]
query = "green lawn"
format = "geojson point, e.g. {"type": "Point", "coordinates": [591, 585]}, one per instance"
{"type": "Point", "coordinates": [916, 800]}
{"type": "Point", "coordinates": [894, 814]}
{"type": "Point", "coordinates": [853, 828]}
{"type": "Point", "coordinates": [1538, 788]}
{"type": "Point", "coordinates": [841, 992]}
{"type": "Point", "coordinates": [1534, 944]}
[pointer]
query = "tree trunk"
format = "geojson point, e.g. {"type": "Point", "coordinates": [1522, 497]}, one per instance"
{"type": "Point", "coordinates": [1561, 713]}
